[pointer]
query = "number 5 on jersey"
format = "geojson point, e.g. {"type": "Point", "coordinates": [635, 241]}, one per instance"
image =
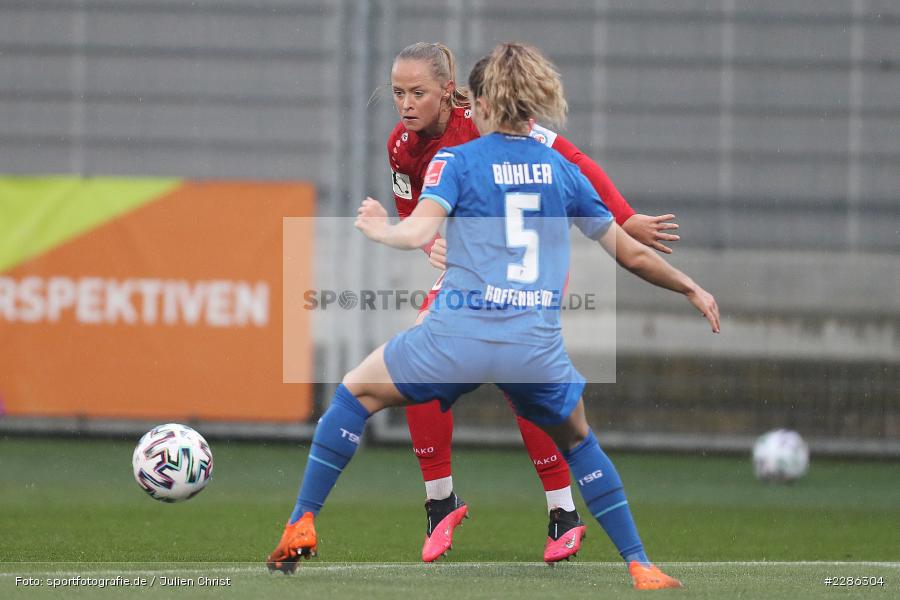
{"type": "Point", "coordinates": [519, 237]}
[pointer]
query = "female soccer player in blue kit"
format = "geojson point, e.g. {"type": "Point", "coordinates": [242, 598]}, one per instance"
{"type": "Point", "coordinates": [511, 201]}
{"type": "Point", "coordinates": [435, 113]}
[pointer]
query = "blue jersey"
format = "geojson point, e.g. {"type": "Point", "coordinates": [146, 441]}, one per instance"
{"type": "Point", "coordinates": [511, 201]}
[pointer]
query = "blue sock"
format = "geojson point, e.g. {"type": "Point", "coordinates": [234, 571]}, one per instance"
{"type": "Point", "coordinates": [334, 443]}
{"type": "Point", "coordinates": [602, 491]}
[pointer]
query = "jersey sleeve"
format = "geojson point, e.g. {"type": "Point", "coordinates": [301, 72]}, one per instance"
{"type": "Point", "coordinates": [600, 181]}
{"type": "Point", "coordinates": [441, 181]}
{"type": "Point", "coordinates": [586, 210]}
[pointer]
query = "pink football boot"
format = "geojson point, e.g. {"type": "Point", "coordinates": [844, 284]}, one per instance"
{"type": "Point", "coordinates": [443, 517]}
{"type": "Point", "coordinates": [564, 535]}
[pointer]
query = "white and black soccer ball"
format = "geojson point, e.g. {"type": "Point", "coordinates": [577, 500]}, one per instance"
{"type": "Point", "coordinates": [780, 455]}
{"type": "Point", "coordinates": [172, 462]}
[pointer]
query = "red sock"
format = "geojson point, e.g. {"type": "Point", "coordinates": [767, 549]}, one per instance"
{"type": "Point", "coordinates": [550, 465]}
{"type": "Point", "coordinates": [432, 433]}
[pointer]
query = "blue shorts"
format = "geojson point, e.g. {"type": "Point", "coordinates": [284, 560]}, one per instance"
{"type": "Point", "coordinates": [542, 383]}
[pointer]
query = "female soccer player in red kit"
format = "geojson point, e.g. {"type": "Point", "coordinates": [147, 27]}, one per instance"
{"type": "Point", "coordinates": [434, 114]}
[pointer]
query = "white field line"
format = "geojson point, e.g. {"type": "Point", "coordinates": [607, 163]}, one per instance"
{"type": "Point", "coordinates": [219, 568]}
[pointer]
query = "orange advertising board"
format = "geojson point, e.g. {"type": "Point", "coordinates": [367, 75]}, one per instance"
{"type": "Point", "coordinates": [167, 308]}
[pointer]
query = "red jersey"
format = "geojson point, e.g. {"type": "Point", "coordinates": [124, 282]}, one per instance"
{"type": "Point", "coordinates": [409, 155]}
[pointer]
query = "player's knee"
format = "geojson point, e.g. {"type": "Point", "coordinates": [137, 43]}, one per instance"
{"type": "Point", "coordinates": [569, 434]}
{"type": "Point", "coordinates": [352, 383]}
{"type": "Point", "coordinates": [357, 386]}
{"type": "Point", "coordinates": [373, 396]}
{"type": "Point", "coordinates": [370, 401]}
{"type": "Point", "coordinates": [575, 438]}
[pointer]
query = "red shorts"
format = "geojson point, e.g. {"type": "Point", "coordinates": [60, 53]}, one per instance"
{"type": "Point", "coordinates": [429, 299]}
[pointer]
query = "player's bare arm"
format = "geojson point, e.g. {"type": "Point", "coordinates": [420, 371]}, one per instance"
{"type": "Point", "coordinates": [638, 259]}
{"type": "Point", "coordinates": [413, 232]}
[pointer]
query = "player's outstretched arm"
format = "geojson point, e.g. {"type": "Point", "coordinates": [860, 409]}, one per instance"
{"type": "Point", "coordinates": [413, 232]}
{"type": "Point", "coordinates": [647, 265]}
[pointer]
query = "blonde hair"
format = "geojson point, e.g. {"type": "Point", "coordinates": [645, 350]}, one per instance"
{"type": "Point", "coordinates": [443, 67]}
{"type": "Point", "coordinates": [519, 83]}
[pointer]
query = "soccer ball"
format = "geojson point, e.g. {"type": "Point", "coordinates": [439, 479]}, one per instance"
{"type": "Point", "coordinates": [172, 463]}
{"type": "Point", "coordinates": [780, 455]}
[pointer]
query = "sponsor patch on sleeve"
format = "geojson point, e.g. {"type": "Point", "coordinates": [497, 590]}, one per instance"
{"type": "Point", "coordinates": [402, 185]}
{"type": "Point", "coordinates": [433, 174]}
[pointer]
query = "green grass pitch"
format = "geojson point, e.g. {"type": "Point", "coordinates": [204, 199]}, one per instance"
{"type": "Point", "coordinates": [71, 508]}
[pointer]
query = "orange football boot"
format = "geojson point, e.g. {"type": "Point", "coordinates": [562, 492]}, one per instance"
{"type": "Point", "coordinates": [649, 577]}
{"type": "Point", "coordinates": [298, 539]}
